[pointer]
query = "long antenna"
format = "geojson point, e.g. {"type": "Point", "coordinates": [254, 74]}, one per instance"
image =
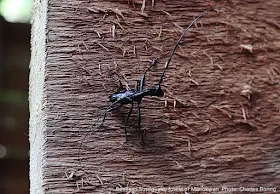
{"type": "Point", "coordinates": [177, 44]}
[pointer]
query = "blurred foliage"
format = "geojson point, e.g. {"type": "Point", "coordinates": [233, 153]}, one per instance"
{"type": "Point", "coordinates": [14, 97]}
{"type": "Point", "coordinates": [16, 153]}
{"type": "Point", "coordinates": [16, 10]}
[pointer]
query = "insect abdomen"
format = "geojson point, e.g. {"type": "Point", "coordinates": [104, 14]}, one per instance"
{"type": "Point", "coordinates": [124, 97]}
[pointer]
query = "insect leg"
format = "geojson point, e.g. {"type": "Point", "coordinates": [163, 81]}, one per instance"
{"type": "Point", "coordinates": [126, 119]}
{"type": "Point", "coordinates": [108, 110]}
{"type": "Point", "coordinates": [136, 86]}
{"type": "Point", "coordinates": [119, 81]}
{"type": "Point", "coordinates": [139, 122]}
{"type": "Point", "coordinates": [142, 82]}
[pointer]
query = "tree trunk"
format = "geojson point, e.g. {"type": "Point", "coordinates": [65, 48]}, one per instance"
{"type": "Point", "coordinates": [215, 128]}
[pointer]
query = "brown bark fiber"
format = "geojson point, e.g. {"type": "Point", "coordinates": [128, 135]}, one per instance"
{"type": "Point", "coordinates": [224, 129]}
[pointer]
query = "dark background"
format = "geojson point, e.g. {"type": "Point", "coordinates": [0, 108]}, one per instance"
{"type": "Point", "coordinates": [14, 114]}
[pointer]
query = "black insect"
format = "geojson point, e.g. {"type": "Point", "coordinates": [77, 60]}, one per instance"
{"type": "Point", "coordinates": [124, 96]}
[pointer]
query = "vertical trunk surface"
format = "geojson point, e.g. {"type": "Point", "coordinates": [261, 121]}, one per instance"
{"type": "Point", "coordinates": [224, 82]}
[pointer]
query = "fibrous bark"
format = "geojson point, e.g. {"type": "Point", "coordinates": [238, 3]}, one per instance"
{"type": "Point", "coordinates": [217, 124]}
